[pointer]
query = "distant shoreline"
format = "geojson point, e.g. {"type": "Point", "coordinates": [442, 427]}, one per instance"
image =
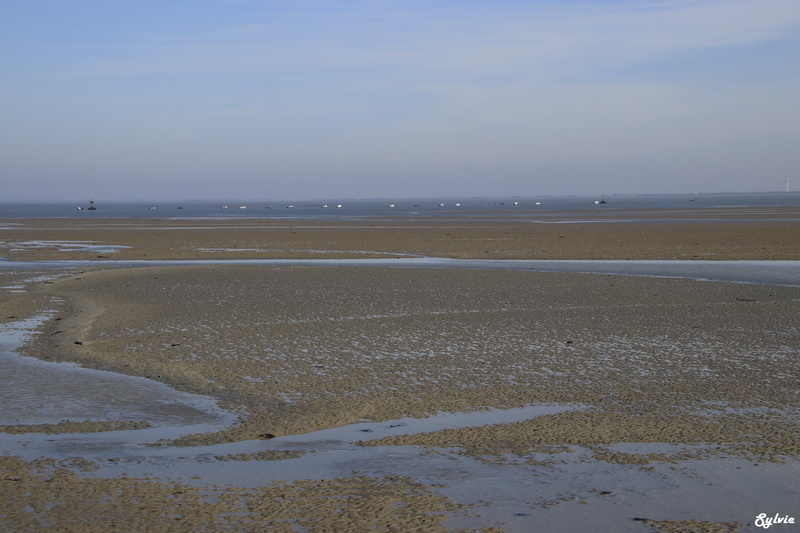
{"type": "Point", "coordinates": [409, 207]}
{"type": "Point", "coordinates": [764, 233]}
{"type": "Point", "coordinates": [411, 198]}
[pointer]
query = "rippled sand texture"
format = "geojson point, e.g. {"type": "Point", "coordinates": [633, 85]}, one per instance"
{"type": "Point", "coordinates": [305, 348]}
{"type": "Point", "coordinates": [49, 496]}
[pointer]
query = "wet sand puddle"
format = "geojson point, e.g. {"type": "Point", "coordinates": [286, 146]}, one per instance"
{"type": "Point", "coordinates": [562, 490]}
{"type": "Point", "coordinates": [35, 392]}
{"type": "Point", "coordinates": [68, 246]}
{"type": "Point", "coordinates": [759, 272]}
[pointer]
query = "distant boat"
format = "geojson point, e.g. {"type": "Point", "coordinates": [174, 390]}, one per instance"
{"type": "Point", "coordinates": [324, 206]}
{"type": "Point", "coordinates": [151, 208]}
{"type": "Point", "coordinates": [338, 206]}
{"type": "Point", "coordinates": [289, 206]}
{"type": "Point", "coordinates": [391, 205]}
{"type": "Point", "coordinates": [224, 207]}
{"type": "Point", "coordinates": [242, 207]}
{"type": "Point", "coordinates": [601, 201]}
{"type": "Point", "coordinates": [91, 206]}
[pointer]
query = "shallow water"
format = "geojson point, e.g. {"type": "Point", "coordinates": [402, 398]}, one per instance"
{"type": "Point", "coordinates": [41, 392]}
{"type": "Point", "coordinates": [759, 272]}
{"type": "Point", "coordinates": [405, 208]}
{"type": "Point", "coordinates": [567, 491]}
{"type": "Point", "coordinates": [69, 246]}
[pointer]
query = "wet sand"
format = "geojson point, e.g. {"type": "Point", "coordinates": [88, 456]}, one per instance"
{"type": "Point", "coordinates": [724, 233]}
{"type": "Point", "coordinates": [298, 349]}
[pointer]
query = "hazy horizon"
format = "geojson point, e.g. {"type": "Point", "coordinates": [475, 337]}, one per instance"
{"type": "Point", "coordinates": [397, 99]}
{"type": "Point", "coordinates": [84, 199]}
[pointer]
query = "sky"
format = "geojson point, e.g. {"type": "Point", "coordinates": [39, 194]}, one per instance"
{"type": "Point", "coordinates": [307, 99]}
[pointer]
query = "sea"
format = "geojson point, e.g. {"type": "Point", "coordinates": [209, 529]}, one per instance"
{"type": "Point", "coordinates": [387, 207]}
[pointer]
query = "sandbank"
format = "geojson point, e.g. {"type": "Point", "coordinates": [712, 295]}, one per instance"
{"type": "Point", "coordinates": [722, 233]}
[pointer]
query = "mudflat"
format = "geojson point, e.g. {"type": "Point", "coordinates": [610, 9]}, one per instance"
{"type": "Point", "coordinates": [708, 366]}
{"type": "Point", "coordinates": [722, 233]}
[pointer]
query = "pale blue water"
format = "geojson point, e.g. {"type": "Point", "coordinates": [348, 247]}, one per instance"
{"type": "Point", "coordinates": [401, 208]}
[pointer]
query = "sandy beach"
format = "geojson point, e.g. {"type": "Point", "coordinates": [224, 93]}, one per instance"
{"type": "Point", "coordinates": [706, 369]}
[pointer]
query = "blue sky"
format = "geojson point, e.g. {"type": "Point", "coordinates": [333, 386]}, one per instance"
{"type": "Point", "coordinates": [145, 99]}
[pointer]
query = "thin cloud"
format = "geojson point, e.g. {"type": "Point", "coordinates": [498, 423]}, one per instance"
{"type": "Point", "coordinates": [476, 93]}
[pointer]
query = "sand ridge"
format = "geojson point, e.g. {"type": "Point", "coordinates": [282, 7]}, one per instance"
{"type": "Point", "coordinates": [305, 348]}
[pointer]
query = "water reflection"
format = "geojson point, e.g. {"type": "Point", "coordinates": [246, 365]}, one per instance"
{"type": "Point", "coordinates": [40, 392]}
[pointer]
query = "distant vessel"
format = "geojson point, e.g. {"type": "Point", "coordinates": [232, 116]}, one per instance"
{"type": "Point", "coordinates": [91, 206]}
{"type": "Point", "coordinates": [601, 201]}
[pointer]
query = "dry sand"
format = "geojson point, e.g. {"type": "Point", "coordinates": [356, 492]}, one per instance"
{"type": "Point", "coordinates": [296, 349]}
